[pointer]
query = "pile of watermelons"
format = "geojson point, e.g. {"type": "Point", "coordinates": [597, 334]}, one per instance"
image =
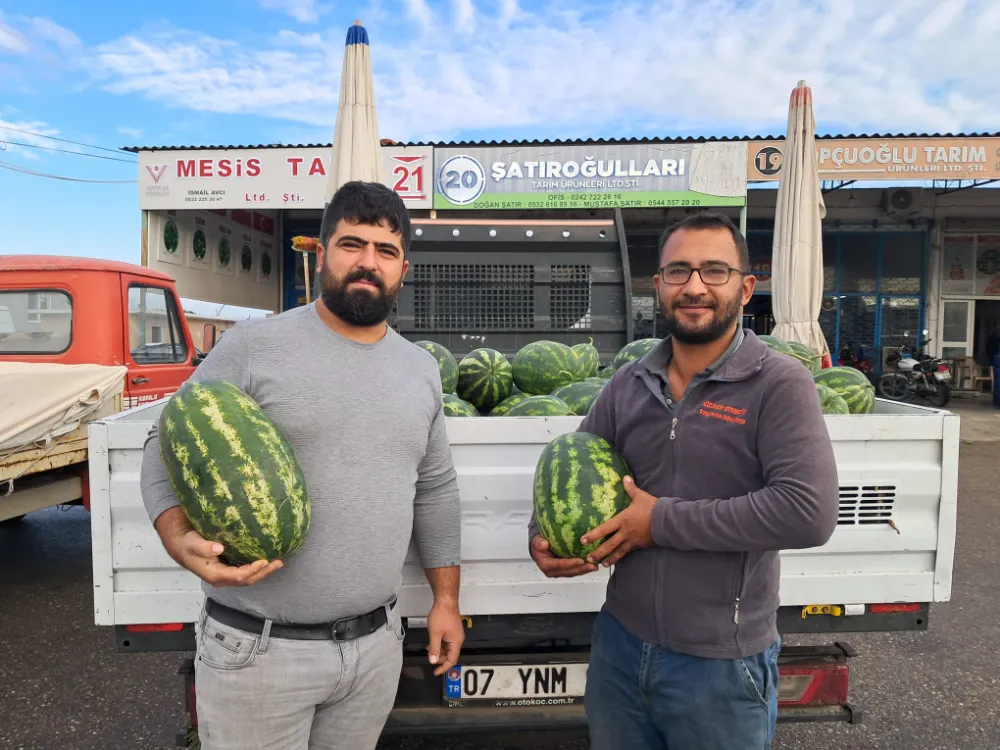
{"type": "Point", "coordinates": [544, 378]}
{"type": "Point", "coordinates": [842, 390]}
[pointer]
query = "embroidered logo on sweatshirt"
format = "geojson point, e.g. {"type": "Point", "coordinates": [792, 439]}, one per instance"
{"type": "Point", "coordinates": [726, 413]}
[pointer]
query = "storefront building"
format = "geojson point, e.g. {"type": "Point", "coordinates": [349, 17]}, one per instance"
{"type": "Point", "coordinates": [911, 238]}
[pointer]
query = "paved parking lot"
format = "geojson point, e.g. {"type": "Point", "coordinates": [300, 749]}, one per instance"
{"type": "Point", "coordinates": [62, 685]}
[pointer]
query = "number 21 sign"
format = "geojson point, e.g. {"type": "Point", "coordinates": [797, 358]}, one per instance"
{"type": "Point", "coordinates": [407, 171]}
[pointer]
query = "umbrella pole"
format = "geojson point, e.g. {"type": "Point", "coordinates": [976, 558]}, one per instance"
{"type": "Point", "coordinates": [743, 231]}
{"type": "Point", "coordinates": [305, 274]}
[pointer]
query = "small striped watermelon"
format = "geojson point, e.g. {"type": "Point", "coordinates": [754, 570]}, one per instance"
{"type": "Point", "coordinates": [504, 406]}
{"type": "Point", "coordinates": [579, 396]}
{"type": "Point", "coordinates": [830, 401]}
{"type": "Point", "coordinates": [540, 406]}
{"type": "Point", "coordinates": [456, 407]}
{"type": "Point", "coordinates": [590, 359]}
{"type": "Point", "coordinates": [446, 364]}
{"type": "Point", "coordinates": [852, 385]}
{"type": "Point", "coordinates": [634, 350]}
{"type": "Point", "coordinates": [542, 366]}
{"type": "Point", "coordinates": [577, 487]}
{"type": "Point", "coordinates": [234, 472]}
{"type": "Point", "coordinates": [485, 378]}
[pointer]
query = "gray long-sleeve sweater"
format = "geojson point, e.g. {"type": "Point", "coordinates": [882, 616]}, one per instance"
{"type": "Point", "coordinates": [367, 426]}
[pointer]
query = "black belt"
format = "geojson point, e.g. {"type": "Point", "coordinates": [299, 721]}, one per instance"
{"type": "Point", "coordinates": [345, 629]}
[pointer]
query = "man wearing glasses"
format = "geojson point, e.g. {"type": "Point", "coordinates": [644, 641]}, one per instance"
{"type": "Point", "coordinates": [731, 462]}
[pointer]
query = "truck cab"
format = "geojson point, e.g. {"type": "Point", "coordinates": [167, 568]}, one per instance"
{"type": "Point", "coordinates": [58, 310]}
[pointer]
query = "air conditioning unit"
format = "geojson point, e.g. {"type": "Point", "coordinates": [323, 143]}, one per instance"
{"type": "Point", "coordinates": [902, 201]}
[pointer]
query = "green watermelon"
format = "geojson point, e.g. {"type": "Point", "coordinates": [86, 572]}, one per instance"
{"type": "Point", "coordinates": [577, 487]}
{"type": "Point", "coordinates": [579, 396]}
{"type": "Point", "coordinates": [830, 401]}
{"type": "Point", "coordinates": [456, 407]}
{"type": "Point", "coordinates": [540, 406]}
{"type": "Point", "coordinates": [234, 472]}
{"type": "Point", "coordinates": [634, 350]}
{"type": "Point", "coordinates": [485, 378]}
{"type": "Point", "coordinates": [446, 364]}
{"type": "Point", "coordinates": [852, 385]}
{"type": "Point", "coordinates": [778, 345]}
{"type": "Point", "coordinates": [805, 355]}
{"type": "Point", "coordinates": [597, 379]}
{"type": "Point", "coordinates": [504, 406]}
{"type": "Point", "coordinates": [590, 359]}
{"type": "Point", "coordinates": [605, 373]}
{"type": "Point", "coordinates": [542, 366]}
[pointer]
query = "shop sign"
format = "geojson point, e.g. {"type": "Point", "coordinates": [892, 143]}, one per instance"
{"type": "Point", "coordinates": [895, 159]}
{"type": "Point", "coordinates": [267, 178]}
{"type": "Point", "coordinates": [970, 265]}
{"type": "Point", "coordinates": [592, 176]}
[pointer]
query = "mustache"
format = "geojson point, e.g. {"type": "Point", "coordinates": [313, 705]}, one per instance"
{"type": "Point", "coordinates": [695, 302]}
{"type": "Point", "coordinates": [364, 275]}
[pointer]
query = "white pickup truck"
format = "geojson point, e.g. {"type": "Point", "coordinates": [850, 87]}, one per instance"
{"type": "Point", "coordinates": [525, 658]}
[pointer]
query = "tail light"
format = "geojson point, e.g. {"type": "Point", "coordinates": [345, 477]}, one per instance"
{"type": "Point", "coordinates": [943, 368]}
{"type": "Point", "coordinates": [818, 684]}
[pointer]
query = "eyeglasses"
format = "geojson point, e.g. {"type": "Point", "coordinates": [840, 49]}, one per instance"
{"type": "Point", "coordinates": [711, 275]}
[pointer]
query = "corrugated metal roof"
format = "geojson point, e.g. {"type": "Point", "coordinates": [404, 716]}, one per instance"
{"type": "Point", "coordinates": [571, 142]}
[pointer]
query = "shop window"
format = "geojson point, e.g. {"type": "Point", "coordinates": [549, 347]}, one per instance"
{"type": "Point", "coordinates": [828, 320]}
{"type": "Point", "coordinates": [35, 322]}
{"type": "Point", "coordinates": [901, 322]}
{"type": "Point", "coordinates": [155, 333]}
{"type": "Point", "coordinates": [478, 297]}
{"type": "Point", "coordinates": [857, 321]}
{"type": "Point", "coordinates": [902, 262]}
{"type": "Point", "coordinates": [858, 262]}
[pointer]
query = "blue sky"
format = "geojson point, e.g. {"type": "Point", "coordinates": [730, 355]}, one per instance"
{"type": "Point", "coordinates": [117, 73]}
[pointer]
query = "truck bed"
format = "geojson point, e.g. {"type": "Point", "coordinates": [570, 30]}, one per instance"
{"type": "Point", "coordinates": [894, 542]}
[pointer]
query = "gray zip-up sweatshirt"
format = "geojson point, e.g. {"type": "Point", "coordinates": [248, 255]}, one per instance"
{"type": "Point", "coordinates": [742, 466]}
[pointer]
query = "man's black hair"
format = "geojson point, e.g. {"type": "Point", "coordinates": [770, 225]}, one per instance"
{"type": "Point", "coordinates": [710, 220]}
{"type": "Point", "coordinates": [370, 203]}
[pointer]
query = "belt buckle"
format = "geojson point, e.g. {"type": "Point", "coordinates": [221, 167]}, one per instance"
{"type": "Point", "coordinates": [338, 631]}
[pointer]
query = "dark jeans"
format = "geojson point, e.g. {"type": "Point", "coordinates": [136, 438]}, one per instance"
{"type": "Point", "coordinates": [641, 696]}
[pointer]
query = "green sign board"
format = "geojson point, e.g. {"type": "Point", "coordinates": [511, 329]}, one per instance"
{"type": "Point", "coordinates": [609, 176]}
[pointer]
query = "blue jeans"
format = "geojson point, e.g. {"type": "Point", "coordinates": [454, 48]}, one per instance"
{"type": "Point", "coordinates": [642, 696]}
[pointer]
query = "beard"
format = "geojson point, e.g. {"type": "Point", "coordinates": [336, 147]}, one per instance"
{"type": "Point", "coordinates": [724, 314]}
{"type": "Point", "coordinates": [357, 307]}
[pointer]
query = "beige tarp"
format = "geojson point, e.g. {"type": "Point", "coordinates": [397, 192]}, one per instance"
{"type": "Point", "coordinates": [39, 402]}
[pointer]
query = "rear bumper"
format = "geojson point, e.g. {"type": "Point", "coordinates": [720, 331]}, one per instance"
{"type": "Point", "coordinates": [467, 721]}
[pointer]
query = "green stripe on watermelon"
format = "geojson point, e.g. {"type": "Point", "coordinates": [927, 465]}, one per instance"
{"type": "Point", "coordinates": [589, 359]}
{"type": "Point", "coordinates": [634, 350]}
{"type": "Point", "coordinates": [831, 402]}
{"type": "Point", "coordinates": [504, 406]}
{"type": "Point", "coordinates": [233, 472]}
{"type": "Point", "coordinates": [805, 355]}
{"type": "Point", "coordinates": [446, 364]}
{"type": "Point", "coordinates": [580, 397]}
{"type": "Point", "coordinates": [841, 376]}
{"type": "Point", "coordinates": [540, 406]}
{"type": "Point", "coordinates": [577, 487]}
{"type": "Point", "coordinates": [853, 386]}
{"type": "Point", "coordinates": [456, 407]}
{"type": "Point", "coordinates": [485, 378]}
{"type": "Point", "coordinates": [542, 366]}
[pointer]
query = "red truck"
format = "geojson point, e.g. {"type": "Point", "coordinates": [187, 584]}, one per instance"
{"type": "Point", "coordinates": [80, 339]}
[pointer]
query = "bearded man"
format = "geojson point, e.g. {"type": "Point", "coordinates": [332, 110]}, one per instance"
{"type": "Point", "coordinates": [731, 463]}
{"type": "Point", "coordinates": [306, 652]}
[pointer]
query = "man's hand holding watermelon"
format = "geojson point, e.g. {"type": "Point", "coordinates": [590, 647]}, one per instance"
{"type": "Point", "coordinates": [202, 557]}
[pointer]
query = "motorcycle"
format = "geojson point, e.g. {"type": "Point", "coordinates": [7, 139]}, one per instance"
{"type": "Point", "coordinates": [916, 373]}
{"type": "Point", "coordinates": [848, 357]}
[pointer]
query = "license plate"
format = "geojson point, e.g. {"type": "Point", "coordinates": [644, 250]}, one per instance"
{"type": "Point", "coordinates": [513, 685]}
{"type": "Point", "coordinates": [943, 375]}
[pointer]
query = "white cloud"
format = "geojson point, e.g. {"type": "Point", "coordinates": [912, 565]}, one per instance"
{"type": "Point", "coordinates": [465, 16]}
{"type": "Point", "coordinates": [45, 29]}
{"type": "Point", "coordinates": [303, 11]}
{"type": "Point", "coordinates": [646, 68]}
{"type": "Point", "coordinates": [10, 39]}
{"type": "Point", "coordinates": [135, 133]}
{"type": "Point", "coordinates": [30, 132]}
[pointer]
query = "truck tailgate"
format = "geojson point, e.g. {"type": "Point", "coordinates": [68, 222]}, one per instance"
{"type": "Point", "coordinates": [894, 542]}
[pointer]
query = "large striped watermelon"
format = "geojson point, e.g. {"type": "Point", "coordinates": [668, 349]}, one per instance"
{"type": "Point", "coordinates": [504, 406]}
{"type": "Point", "coordinates": [540, 406]}
{"type": "Point", "coordinates": [577, 487]}
{"type": "Point", "coordinates": [485, 378]}
{"type": "Point", "coordinates": [542, 366]}
{"type": "Point", "coordinates": [805, 355]}
{"type": "Point", "coordinates": [589, 359]}
{"type": "Point", "coordinates": [234, 473]}
{"type": "Point", "coordinates": [446, 364]}
{"type": "Point", "coordinates": [456, 407]}
{"type": "Point", "coordinates": [778, 345]}
{"type": "Point", "coordinates": [579, 396]}
{"type": "Point", "coordinates": [830, 401]}
{"type": "Point", "coordinates": [634, 350]}
{"type": "Point", "coordinates": [852, 385]}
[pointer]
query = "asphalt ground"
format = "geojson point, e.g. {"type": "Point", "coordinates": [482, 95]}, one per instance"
{"type": "Point", "coordinates": [63, 685]}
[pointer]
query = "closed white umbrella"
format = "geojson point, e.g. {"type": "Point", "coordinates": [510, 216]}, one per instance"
{"type": "Point", "coordinates": [356, 152]}
{"type": "Point", "coordinates": [797, 252]}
